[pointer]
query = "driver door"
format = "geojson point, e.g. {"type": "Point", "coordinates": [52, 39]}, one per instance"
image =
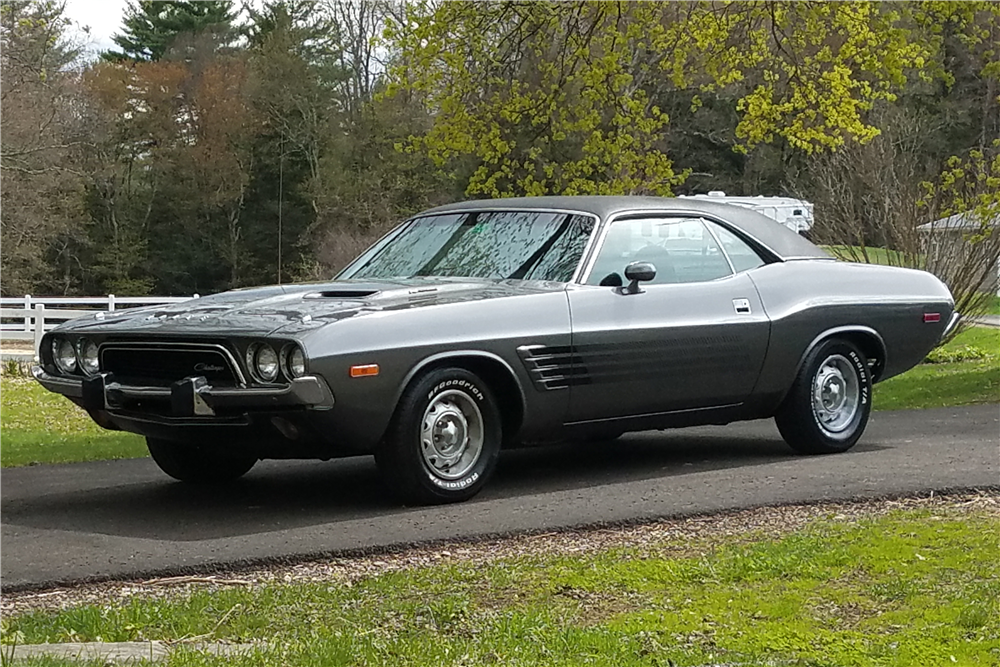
{"type": "Point", "coordinates": [693, 338]}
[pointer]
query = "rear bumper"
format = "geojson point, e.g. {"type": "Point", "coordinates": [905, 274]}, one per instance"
{"type": "Point", "coordinates": [190, 397]}
{"type": "Point", "coordinates": [952, 323]}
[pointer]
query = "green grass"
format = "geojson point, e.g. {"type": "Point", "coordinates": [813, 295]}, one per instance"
{"type": "Point", "coordinates": [972, 344]}
{"type": "Point", "coordinates": [915, 587]}
{"type": "Point", "coordinates": [38, 426]}
{"type": "Point", "coordinates": [940, 385]}
{"type": "Point", "coordinates": [994, 306]}
{"type": "Point", "coordinates": [970, 375]}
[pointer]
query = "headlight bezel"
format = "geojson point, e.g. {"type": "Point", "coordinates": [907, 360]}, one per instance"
{"type": "Point", "coordinates": [60, 345]}
{"type": "Point", "coordinates": [254, 365]}
{"type": "Point", "coordinates": [82, 347]}
{"type": "Point", "coordinates": [289, 364]}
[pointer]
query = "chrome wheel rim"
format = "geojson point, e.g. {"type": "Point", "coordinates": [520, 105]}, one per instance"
{"type": "Point", "coordinates": [836, 394]}
{"type": "Point", "coordinates": [451, 435]}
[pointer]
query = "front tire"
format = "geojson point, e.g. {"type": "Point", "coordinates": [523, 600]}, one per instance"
{"type": "Point", "coordinates": [827, 408]}
{"type": "Point", "coordinates": [444, 440]}
{"type": "Point", "coordinates": [197, 464]}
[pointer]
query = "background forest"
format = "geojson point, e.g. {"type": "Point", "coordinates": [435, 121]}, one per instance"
{"type": "Point", "coordinates": [223, 145]}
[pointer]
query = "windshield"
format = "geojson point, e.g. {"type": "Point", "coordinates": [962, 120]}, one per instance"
{"type": "Point", "coordinates": [496, 244]}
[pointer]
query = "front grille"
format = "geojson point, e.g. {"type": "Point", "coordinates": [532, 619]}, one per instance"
{"type": "Point", "coordinates": [156, 366]}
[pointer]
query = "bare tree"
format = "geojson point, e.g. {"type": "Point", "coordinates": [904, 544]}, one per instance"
{"type": "Point", "coordinates": [871, 201]}
{"type": "Point", "coordinates": [360, 23]}
{"type": "Point", "coordinates": [963, 240]}
{"type": "Point", "coordinates": [39, 107]}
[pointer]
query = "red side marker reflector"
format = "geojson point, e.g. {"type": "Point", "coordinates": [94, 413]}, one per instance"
{"type": "Point", "coordinates": [932, 317]}
{"type": "Point", "coordinates": [364, 371]}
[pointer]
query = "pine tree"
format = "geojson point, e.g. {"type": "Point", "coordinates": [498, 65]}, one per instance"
{"type": "Point", "coordinates": [152, 27]}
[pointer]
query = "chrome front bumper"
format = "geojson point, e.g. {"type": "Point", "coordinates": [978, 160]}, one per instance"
{"type": "Point", "coordinates": [190, 397]}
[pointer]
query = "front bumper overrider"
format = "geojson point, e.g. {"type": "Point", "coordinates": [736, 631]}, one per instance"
{"type": "Point", "coordinates": [190, 397]}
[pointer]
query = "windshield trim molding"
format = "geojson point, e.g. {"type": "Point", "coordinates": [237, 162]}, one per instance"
{"type": "Point", "coordinates": [348, 271]}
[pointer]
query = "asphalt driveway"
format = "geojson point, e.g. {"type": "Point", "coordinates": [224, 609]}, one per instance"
{"type": "Point", "coordinates": [124, 519]}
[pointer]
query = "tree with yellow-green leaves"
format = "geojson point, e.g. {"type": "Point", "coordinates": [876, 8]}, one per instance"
{"type": "Point", "coordinates": [562, 97]}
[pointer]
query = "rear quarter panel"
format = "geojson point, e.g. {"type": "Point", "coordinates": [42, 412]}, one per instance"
{"type": "Point", "coordinates": [809, 299]}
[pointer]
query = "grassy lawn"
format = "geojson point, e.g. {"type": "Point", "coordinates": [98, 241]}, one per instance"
{"type": "Point", "coordinates": [994, 307]}
{"type": "Point", "coordinates": [968, 373]}
{"type": "Point", "coordinates": [940, 385]}
{"type": "Point", "coordinates": [915, 587]}
{"type": "Point", "coordinates": [42, 427]}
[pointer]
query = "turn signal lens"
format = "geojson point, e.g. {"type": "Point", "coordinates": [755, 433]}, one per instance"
{"type": "Point", "coordinates": [64, 355]}
{"type": "Point", "coordinates": [266, 363]}
{"type": "Point", "coordinates": [88, 357]}
{"type": "Point", "coordinates": [364, 371]}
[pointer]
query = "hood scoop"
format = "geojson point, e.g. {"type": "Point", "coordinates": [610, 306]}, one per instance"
{"type": "Point", "coordinates": [342, 294]}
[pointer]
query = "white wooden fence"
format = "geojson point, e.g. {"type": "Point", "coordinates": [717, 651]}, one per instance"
{"type": "Point", "coordinates": [28, 317]}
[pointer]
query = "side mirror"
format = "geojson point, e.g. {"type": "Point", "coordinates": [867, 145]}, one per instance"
{"type": "Point", "coordinates": [637, 272]}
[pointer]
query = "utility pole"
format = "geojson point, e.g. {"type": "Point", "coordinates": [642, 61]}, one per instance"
{"type": "Point", "coordinates": [281, 196]}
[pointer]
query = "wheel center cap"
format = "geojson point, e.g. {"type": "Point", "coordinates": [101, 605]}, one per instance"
{"type": "Point", "coordinates": [833, 393]}
{"type": "Point", "coordinates": [449, 433]}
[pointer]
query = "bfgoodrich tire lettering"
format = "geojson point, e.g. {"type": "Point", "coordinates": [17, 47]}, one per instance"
{"type": "Point", "coordinates": [444, 440]}
{"type": "Point", "coordinates": [827, 408]}
{"type": "Point", "coordinates": [197, 464]}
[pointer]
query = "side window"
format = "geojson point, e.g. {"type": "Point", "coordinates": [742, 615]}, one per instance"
{"type": "Point", "coordinates": [681, 249]}
{"type": "Point", "coordinates": [740, 253]}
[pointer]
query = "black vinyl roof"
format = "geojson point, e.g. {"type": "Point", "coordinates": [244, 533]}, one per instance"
{"type": "Point", "coordinates": [781, 240]}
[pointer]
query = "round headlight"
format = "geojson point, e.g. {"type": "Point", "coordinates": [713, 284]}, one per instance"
{"type": "Point", "coordinates": [88, 357]}
{"type": "Point", "coordinates": [266, 363]}
{"type": "Point", "coordinates": [296, 362]}
{"type": "Point", "coordinates": [64, 355]}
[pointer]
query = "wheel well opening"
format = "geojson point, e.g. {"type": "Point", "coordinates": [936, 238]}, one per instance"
{"type": "Point", "coordinates": [871, 347]}
{"type": "Point", "coordinates": [501, 382]}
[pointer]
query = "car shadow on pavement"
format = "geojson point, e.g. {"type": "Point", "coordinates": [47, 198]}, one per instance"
{"type": "Point", "coordinates": [281, 495]}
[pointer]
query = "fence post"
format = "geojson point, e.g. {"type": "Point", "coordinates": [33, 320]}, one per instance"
{"type": "Point", "coordinates": [39, 325]}
{"type": "Point", "coordinates": [27, 306]}
{"type": "Point", "coordinates": [111, 303]}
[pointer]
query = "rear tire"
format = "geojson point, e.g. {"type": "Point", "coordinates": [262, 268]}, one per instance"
{"type": "Point", "coordinates": [444, 440]}
{"type": "Point", "coordinates": [198, 464]}
{"type": "Point", "coordinates": [827, 408]}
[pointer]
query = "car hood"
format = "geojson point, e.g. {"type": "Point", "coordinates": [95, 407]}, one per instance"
{"type": "Point", "coordinates": [298, 308]}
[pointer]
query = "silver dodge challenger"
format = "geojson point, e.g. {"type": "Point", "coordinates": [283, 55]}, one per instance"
{"type": "Point", "coordinates": [488, 324]}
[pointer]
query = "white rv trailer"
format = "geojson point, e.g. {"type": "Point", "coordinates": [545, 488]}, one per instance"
{"type": "Point", "coordinates": [796, 214]}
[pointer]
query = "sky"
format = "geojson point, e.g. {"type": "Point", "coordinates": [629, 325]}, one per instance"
{"type": "Point", "coordinates": [104, 17]}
